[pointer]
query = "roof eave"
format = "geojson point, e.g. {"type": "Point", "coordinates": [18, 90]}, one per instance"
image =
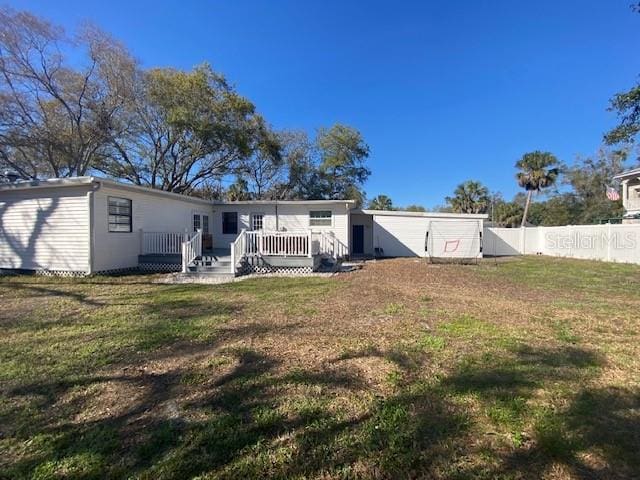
{"type": "Point", "coordinates": [628, 173]}
{"type": "Point", "coordinates": [407, 213]}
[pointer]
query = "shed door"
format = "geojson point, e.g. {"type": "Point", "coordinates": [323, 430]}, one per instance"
{"type": "Point", "coordinates": [357, 235]}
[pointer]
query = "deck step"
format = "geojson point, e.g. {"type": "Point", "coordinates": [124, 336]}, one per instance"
{"type": "Point", "coordinates": [224, 270]}
{"type": "Point", "coordinates": [200, 277]}
{"type": "Point", "coordinates": [212, 263]}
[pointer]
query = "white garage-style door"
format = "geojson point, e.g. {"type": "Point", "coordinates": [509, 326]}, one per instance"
{"type": "Point", "coordinates": [400, 236]}
{"type": "Point", "coordinates": [409, 234]}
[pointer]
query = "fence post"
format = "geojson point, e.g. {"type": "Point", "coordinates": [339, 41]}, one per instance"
{"type": "Point", "coordinates": [609, 242]}
{"type": "Point", "coordinates": [522, 240]}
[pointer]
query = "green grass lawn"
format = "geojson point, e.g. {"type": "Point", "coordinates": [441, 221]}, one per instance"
{"type": "Point", "coordinates": [523, 369]}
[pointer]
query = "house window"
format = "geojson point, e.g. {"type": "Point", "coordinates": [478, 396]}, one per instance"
{"type": "Point", "coordinates": [229, 223]}
{"type": "Point", "coordinates": [119, 214]}
{"type": "Point", "coordinates": [205, 223]}
{"type": "Point", "coordinates": [320, 218]}
{"type": "Point", "coordinates": [257, 221]}
{"type": "Point", "coordinates": [196, 222]}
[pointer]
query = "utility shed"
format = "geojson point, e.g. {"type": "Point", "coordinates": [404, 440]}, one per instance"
{"type": "Point", "coordinates": [397, 233]}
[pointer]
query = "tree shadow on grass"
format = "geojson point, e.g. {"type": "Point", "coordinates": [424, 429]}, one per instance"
{"type": "Point", "coordinates": [255, 417]}
{"type": "Point", "coordinates": [39, 290]}
{"type": "Point", "coordinates": [597, 436]}
{"type": "Point", "coordinates": [252, 419]}
{"type": "Point", "coordinates": [591, 432]}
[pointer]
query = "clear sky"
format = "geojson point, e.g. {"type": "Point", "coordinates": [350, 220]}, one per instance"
{"type": "Point", "coordinates": [443, 91]}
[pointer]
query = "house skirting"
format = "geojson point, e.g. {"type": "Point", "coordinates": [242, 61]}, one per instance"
{"type": "Point", "coordinates": [266, 269]}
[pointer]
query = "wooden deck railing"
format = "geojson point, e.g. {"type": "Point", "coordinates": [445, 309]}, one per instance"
{"type": "Point", "coordinates": [191, 250]}
{"type": "Point", "coordinates": [163, 243]}
{"type": "Point", "coordinates": [265, 243]}
{"type": "Point", "coordinates": [257, 243]}
{"type": "Point", "coordinates": [326, 243]}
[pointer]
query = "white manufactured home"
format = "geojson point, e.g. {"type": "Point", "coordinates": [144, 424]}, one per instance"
{"type": "Point", "coordinates": [86, 225]}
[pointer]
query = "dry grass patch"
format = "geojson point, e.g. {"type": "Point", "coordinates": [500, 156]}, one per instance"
{"type": "Point", "coordinates": [524, 369]}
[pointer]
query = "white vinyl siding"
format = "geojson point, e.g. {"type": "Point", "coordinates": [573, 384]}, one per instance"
{"type": "Point", "coordinates": [151, 212]}
{"type": "Point", "coordinates": [400, 236]}
{"type": "Point", "coordinates": [45, 229]}
{"type": "Point", "coordinates": [291, 218]}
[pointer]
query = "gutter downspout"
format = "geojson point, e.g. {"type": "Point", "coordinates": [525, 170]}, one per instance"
{"type": "Point", "coordinates": [90, 204]}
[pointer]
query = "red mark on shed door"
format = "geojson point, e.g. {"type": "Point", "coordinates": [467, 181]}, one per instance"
{"type": "Point", "coordinates": [451, 246]}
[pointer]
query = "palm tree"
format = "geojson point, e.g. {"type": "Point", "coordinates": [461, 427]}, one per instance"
{"type": "Point", "coordinates": [238, 190]}
{"type": "Point", "coordinates": [381, 202]}
{"type": "Point", "coordinates": [538, 170]}
{"type": "Point", "coordinates": [469, 197]}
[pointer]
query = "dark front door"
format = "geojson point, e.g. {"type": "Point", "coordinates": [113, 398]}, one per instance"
{"type": "Point", "coordinates": [358, 239]}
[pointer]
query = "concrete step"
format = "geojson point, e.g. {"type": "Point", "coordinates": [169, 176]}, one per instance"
{"type": "Point", "coordinates": [221, 270]}
{"type": "Point", "coordinates": [200, 277]}
{"type": "Point", "coordinates": [213, 263]}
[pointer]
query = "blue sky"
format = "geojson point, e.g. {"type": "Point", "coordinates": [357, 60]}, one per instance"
{"type": "Point", "coordinates": [443, 91]}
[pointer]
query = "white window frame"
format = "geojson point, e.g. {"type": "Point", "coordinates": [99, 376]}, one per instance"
{"type": "Point", "coordinates": [121, 215]}
{"type": "Point", "coordinates": [330, 218]}
{"type": "Point", "coordinates": [201, 216]}
{"type": "Point", "coordinates": [251, 219]}
{"type": "Point", "coordinates": [195, 227]}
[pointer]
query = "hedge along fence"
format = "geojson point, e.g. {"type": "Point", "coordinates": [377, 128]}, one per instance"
{"type": "Point", "coordinates": [611, 243]}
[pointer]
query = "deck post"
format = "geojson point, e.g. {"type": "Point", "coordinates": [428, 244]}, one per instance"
{"type": "Point", "coordinates": [141, 242]}
{"type": "Point", "coordinates": [309, 241]}
{"type": "Point", "coordinates": [184, 258]}
{"type": "Point", "coordinates": [233, 258]}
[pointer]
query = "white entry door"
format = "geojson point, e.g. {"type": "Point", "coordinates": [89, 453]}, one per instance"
{"type": "Point", "coordinates": [201, 222]}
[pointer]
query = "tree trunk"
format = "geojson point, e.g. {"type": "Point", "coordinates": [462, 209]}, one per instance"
{"type": "Point", "coordinates": [526, 208]}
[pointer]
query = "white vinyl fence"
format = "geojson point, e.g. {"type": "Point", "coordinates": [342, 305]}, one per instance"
{"type": "Point", "coordinates": [611, 243]}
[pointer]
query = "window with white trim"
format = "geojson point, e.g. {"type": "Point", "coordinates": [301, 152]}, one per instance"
{"type": "Point", "coordinates": [257, 221]}
{"type": "Point", "coordinates": [320, 218]}
{"type": "Point", "coordinates": [120, 218]}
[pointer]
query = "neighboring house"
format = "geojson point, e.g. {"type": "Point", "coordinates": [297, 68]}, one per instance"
{"type": "Point", "coordinates": [87, 225]}
{"type": "Point", "coordinates": [630, 181]}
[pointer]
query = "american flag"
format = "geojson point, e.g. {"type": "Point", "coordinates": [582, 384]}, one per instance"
{"type": "Point", "coordinates": [612, 194]}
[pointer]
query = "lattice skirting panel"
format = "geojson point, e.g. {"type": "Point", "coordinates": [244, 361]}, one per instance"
{"type": "Point", "coordinates": [118, 271]}
{"type": "Point", "coordinates": [264, 269]}
{"type": "Point", "coordinates": [160, 267]}
{"type": "Point", "coordinates": [42, 273]}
